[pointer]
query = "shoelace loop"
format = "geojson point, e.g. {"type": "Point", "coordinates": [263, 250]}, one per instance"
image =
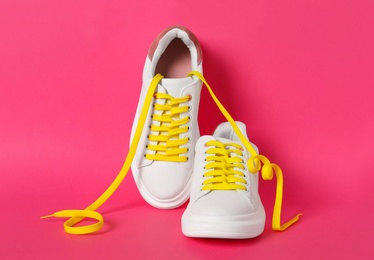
{"type": "Point", "coordinates": [76, 215]}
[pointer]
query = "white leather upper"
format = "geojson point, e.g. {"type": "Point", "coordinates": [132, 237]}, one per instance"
{"type": "Point", "coordinates": [166, 184]}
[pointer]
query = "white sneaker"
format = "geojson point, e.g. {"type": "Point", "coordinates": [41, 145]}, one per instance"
{"type": "Point", "coordinates": [163, 162]}
{"type": "Point", "coordinates": [224, 200]}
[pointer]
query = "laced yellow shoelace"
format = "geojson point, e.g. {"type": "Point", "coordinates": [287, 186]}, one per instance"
{"type": "Point", "coordinates": [255, 163]}
{"type": "Point", "coordinates": [167, 128]}
{"type": "Point", "coordinates": [222, 159]}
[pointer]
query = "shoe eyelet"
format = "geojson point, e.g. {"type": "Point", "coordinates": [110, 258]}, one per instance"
{"type": "Point", "coordinates": [189, 97]}
{"type": "Point", "coordinates": [155, 94]}
{"type": "Point", "coordinates": [189, 108]}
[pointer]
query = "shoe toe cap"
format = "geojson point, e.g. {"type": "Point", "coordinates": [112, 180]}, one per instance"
{"type": "Point", "coordinates": [222, 203]}
{"type": "Point", "coordinates": [165, 180]}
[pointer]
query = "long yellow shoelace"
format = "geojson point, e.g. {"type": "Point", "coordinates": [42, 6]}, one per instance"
{"type": "Point", "coordinates": [255, 164]}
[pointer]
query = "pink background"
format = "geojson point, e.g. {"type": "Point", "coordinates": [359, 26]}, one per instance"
{"type": "Point", "coordinates": [298, 73]}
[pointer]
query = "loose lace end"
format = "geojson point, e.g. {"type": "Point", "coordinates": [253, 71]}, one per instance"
{"type": "Point", "coordinates": [256, 163]}
{"type": "Point", "coordinates": [49, 216]}
{"type": "Point", "coordinates": [76, 216]}
{"type": "Point", "coordinates": [286, 225]}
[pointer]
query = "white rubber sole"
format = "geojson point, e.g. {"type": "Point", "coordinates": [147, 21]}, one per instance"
{"type": "Point", "coordinates": [230, 227]}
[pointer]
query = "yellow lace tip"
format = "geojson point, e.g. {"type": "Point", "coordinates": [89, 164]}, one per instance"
{"type": "Point", "coordinates": [49, 216]}
{"type": "Point", "coordinates": [267, 172]}
{"type": "Point", "coordinates": [288, 223]}
{"type": "Point", "coordinates": [296, 218]}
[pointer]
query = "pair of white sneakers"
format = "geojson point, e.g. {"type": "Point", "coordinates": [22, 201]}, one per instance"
{"type": "Point", "coordinates": [173, 163]}
{"type": "Point", "coordinates": [170, 162]}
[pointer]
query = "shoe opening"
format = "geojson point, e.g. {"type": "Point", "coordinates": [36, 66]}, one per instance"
{"type": "Point", "coordinates": [175, 62]}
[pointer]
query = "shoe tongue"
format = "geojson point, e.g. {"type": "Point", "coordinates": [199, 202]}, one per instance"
{"type": "Point", "coordinates": [175, 86]}
{"type": "Point", "coordinates": [224, 140]}
{"type": "Point", "coordinates": [205, 138]}
{"type": "Point", "coordinates": [202, 140]}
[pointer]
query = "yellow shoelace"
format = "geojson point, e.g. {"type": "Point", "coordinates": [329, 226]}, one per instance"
{"type": "Point", "coordinates": [165, 142]}
{"type": "Point", "coordinates": [255, 163]}
{"type": "Point", "coordinates": [222, 160]}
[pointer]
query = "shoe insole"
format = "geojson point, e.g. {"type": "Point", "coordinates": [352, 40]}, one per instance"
{"type": "Point", "coordinates": [175, 62]}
